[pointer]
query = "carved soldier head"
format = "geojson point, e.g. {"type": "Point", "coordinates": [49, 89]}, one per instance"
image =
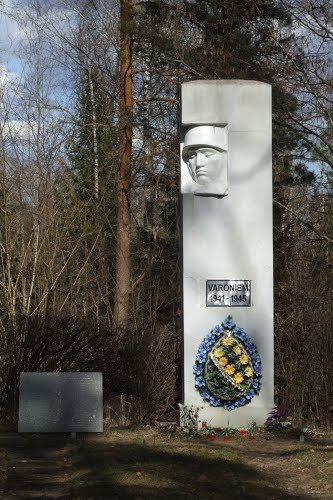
{"type": "Point", "coordinates": [204, 152]}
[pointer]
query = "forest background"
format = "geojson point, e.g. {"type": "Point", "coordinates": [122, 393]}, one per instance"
{"type": "Point", "coordinates": [89, 189]}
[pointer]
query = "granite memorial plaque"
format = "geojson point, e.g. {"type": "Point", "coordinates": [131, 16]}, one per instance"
{"type": "Point", "coordinates": [61, 402]}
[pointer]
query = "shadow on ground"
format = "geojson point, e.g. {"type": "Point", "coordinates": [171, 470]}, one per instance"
{"type": "Point", "coordinates": [34, 466]}
{"type": "Point", "coordinates": [127, 470]}
{"type": "Point", "coordinates": [45, 467]}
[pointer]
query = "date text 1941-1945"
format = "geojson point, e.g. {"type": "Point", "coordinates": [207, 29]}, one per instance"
{"type": "Point", "coordinates": [228, 293]}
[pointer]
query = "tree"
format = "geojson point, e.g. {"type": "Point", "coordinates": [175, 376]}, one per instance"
{"type": "Point", "coordinates": [312, 81]}
{"type": "Point", "coordinates": [123, 275]}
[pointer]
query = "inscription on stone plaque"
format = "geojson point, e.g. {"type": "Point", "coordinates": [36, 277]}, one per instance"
{"type": "Point", "coordinates": [230, 293]}
{"type": "Point", "coordinates": [61, 402]}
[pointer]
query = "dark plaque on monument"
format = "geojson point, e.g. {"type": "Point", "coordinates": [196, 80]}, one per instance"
{"type": "Point", "coordinates": [228, 293]}
{"type": "Point", "coordinates": [61, 402]}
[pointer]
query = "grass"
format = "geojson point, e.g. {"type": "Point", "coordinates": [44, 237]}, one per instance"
{"type": "Point", "coordinates": [146, 464]}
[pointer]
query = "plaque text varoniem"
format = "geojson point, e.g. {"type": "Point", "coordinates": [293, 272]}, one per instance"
{"type": "Point", "coordinates": [231, 293]}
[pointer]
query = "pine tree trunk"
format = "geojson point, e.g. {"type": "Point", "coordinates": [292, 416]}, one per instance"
{"type": "Point", "coordinates": [122, 286]}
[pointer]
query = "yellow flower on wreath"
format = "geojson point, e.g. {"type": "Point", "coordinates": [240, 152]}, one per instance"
{"type": "Point", "coordinates": [244, 359]}
{"type": "Point", "coordinates": [218, 352]}
{"type": "Point", "coordinates": [229, 369]}
{"type": "Point", "coordinates": [223, 361]}
{"type": "Point", "coordinates": [227, 341]}
{"type": "Point", "coordinates": [238, 378]}
{"type": "Point", "coordinates": [248, 372]}
{"type": "Point", "coordinates": [237, 350]}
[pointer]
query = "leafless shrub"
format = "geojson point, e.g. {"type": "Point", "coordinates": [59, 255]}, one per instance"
{"type": "Point", "coordinates": [153, 384]}
{"type": "Point", "coordinates": [49, 346]}
{"type": "Point", "coordinates": [141, 371]}
{"type": "Point", "coordinates": [304, 322]}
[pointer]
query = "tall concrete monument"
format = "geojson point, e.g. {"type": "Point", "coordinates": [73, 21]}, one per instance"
{"type": "Point", "coordinates": [226, 182]}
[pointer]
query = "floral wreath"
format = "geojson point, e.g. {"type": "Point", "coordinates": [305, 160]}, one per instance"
{"type": "Point", "coordinates": [228, 367]}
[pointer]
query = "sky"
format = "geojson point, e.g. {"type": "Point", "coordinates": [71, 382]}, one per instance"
{"type": "Point", "coordinates": [10, 35]}
{"type": "Point", "coordinates": [15, 118]}
{"type": "Point", "coordinates": [10, 69]}
{"type": "Point", "coordinates": [11, 66]}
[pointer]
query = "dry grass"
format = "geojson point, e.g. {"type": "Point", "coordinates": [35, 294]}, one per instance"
{"type": "Point", "coordinates": [146, 464]}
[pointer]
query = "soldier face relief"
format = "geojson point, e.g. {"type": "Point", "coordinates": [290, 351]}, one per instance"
{"type": "Point", "coordinates": [204, 163]}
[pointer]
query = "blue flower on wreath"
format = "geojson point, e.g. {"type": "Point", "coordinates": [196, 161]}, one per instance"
{"type": "Point", "coordinates": [200, 382]}
{"type": "Point", "coordinates": [255, 383]}
{"type": "Point", "coordinates": [205, 395]}
{"type": "Point", "coordinates": [238, 333]}
{"type": "Point", "coordinates": [197, 369]}
{"type": "Point", "coordinates": [201, 357]}
{"type": "Point", "coordinates": [229, 406]}
{"type": "Point", "coordinates": [209, 338]}
{"type": "Point", "coordinates": [250, 393]}
{"type": "Point", "coordinates": [229, 323]}
{"type": "Point", "coordinates": [217, 330]}
{"type": "Point", "coordinates": [203, 348]}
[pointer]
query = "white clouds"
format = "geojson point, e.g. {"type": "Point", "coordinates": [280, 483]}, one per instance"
{"type": "Point", "coordinates": [6, 76]}
{"type": "Point", "coordinates": [10, 37]}
{"type": "Point", "coordinates": [10, 32]}
{"type": "Point", "coordinates": [18, 129]}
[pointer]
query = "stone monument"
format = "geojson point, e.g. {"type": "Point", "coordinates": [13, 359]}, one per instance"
{"type": "Point", "coordinates": [226, 182]}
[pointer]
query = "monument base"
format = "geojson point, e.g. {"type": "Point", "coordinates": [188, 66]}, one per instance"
{"type": "Point", "coordinates": [242, 418]}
